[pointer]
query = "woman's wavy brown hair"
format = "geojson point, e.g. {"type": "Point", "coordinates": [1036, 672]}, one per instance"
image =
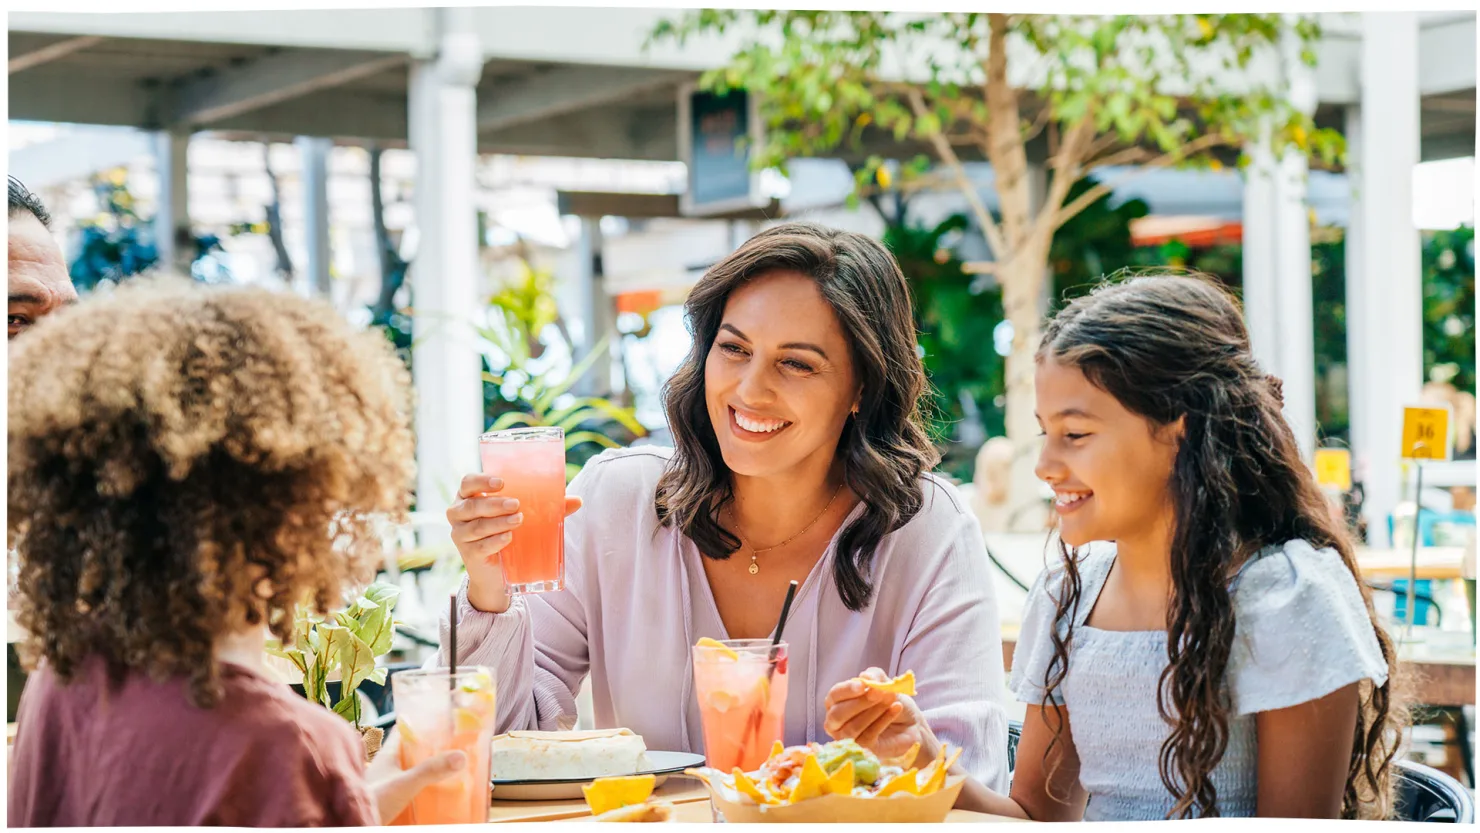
{"type": "Point", "coordinates": [884, 448]}
{"type": "Point", "coordinates": [1174, 346]}
{"type": "Point", "coordinates": [186, 462]}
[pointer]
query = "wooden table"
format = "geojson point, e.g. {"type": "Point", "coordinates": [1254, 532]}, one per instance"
{"type": "Point", "coordinates": [679, 789]}
{"type": "Point", "coordinates": [1434, 563]}
{"type": "Point", "coordinates": [690, 805]}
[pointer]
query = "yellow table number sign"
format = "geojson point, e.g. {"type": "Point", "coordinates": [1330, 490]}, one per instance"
{"type": "Point", "coordinates": [1334, 468]}
{"type": "Point", "coordinates": [1426, 434]}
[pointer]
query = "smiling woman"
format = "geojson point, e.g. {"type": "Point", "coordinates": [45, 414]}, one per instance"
{"type": "Point", "coordinates": [803, 373]}
{"type": "Point", "coordinates": [799, 445]}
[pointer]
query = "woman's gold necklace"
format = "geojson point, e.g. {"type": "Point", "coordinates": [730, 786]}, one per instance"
{"type": "Point", "coordinates": [755, 553]}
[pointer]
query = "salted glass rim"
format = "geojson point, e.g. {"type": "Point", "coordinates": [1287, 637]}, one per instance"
{"type": "Point", "coordinates": [514, 435]}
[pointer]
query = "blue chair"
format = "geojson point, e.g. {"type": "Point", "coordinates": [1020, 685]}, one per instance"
{"type": "Point", "coordinates": [1428, 520]}
{"type": "Point", "coordinates": [1014, 734]}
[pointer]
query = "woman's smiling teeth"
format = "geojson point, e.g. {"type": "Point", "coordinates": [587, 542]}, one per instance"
{"type": "Point", "coordinates": [758, 426]}
{"type": "Point", "coordinates": [1067, 501]}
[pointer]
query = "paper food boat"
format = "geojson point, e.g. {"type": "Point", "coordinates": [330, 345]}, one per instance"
{"type": "Point", "coordinates": [900, 808]}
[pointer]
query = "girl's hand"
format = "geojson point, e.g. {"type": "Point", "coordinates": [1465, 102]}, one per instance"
{"type": "Point", "coordinates": [394, 787]}
{"type": "Point", "coordinates": [886, 724]}
{"type": "Point", "coordinates": [482, 525]}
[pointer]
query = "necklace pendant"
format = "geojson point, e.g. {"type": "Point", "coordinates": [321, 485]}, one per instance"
{"type": "Point", "coordinates": [754, 568]}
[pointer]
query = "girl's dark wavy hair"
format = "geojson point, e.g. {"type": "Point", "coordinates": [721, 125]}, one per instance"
{"type": "Point", "coordinates": [884, 448]}
{"type": "Point", "coordinates": [1175, 346]}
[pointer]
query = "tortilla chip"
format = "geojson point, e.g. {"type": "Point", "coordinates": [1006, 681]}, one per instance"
{"type": "Point", "coordinates": [655, 811]}
{"type": "Point", "coordinates": [903, 684]}
{"type": "Point", "coordinates": [607, 794]}
{"type": "Point", "coordinates": [942, 766]}
{"type": "Point", "coordinates": [905, 782]}
{"type": "Point", "coordinates": [811, 783]}
{"type": "Point", "coordinates": [776, 750]}
{"type": "Point", "coordinates": [841, 782]}
{"type": "Point", "coordinates": [905, 761]}
{"type": "Point", "coordinates": [747, 787]}
{"type": "Point", "coordinates": [931, 768]}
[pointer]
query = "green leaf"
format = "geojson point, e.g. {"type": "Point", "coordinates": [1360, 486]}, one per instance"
{"type": "Point", "coordinates": [349, 709]}
{"type": "Point", "coordinates": [357, 661]}
{"type": "Point", "coordinates": [378, 630]}
{"type": "Point", "coordinates": [513, 419]}
{"type": "Point", "coordinates": [580, 369]}
{"type": "Point", "coordinates": [378, 676]}
{"type": "Point", "coordinates": [319, 673]}
{"type": "Point", "coordinates": [902, 128]}
{"type": "Point", "coordinates": [583, 410]}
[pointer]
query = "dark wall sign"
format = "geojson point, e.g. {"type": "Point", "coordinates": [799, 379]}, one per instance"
{"type": "Point", "coordinates": [712, 128]}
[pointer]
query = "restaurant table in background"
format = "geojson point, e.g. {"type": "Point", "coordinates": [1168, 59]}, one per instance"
{"type": "Point", "coordinates": [1434, 563]}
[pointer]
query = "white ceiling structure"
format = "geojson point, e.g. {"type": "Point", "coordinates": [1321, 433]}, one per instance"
{"type": "Point", "coordinates": [557, 81]}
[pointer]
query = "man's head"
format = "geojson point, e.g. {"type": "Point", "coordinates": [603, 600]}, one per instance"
{"type": "Point", "coordinates": [39, 283]}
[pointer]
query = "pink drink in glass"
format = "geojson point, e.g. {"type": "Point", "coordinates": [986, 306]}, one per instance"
{"type": "Point", "coordinates": [742, 701]}
{"type": "Point", "coordinates": [531, 462]}
{"type": "Point", "coordinates": [437, 710]}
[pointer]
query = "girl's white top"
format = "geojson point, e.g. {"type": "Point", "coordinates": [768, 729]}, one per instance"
{"type": "Point", "coordinates": [1301, 631]}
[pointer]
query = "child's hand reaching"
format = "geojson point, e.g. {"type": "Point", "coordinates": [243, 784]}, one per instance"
{"type": "Point", "coordinates": [394, 787]}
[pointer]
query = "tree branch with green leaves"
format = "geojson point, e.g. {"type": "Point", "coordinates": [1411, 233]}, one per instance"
{"type": "Point", "coordinates": [1156, 91]}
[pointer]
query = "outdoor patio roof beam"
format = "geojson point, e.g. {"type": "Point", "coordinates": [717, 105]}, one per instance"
{"type": "Point", "coordinates": [272, 79]}
{"type": "Point", "coordinates": [51, 52]}
{"type": "Point", "coordinates": [565, 90]}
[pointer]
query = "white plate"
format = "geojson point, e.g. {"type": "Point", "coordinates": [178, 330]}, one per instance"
{"type": "Point", "coordinates": [661, 764]}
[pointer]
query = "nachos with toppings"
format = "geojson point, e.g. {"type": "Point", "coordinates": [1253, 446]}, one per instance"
{"type": "Point", "coordinates": [842, 767]}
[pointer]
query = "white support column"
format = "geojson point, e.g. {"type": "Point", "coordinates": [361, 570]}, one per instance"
{"type": "Point", "coordinates": [172, 217]}
{"type": "Point", "coordinates": [1260, 262]}
{"type": "Point", "coordinates": [315, 151]}
{"type": "Point", "coordinates": [1293, 307]}
{"type": "Point", "coordinates": [444, 273]}
{"type": "Point", "coordinates": [1277, 278]}
{"type": "Point", "coordinates": [596, 310]}
{"type": "Point", "coordinates": [1358, 372]}
{"type": "Point", "coordinates": [1390, 321]}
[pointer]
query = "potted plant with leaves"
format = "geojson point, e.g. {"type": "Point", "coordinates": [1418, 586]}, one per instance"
{"type": "Point", "coordinates": [522, 311]}
{"type": "Point", "coordinates": [344, 645]}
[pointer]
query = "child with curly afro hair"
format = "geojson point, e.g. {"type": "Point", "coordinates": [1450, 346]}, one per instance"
{"type": "Point", "coordinates": [186, 466]}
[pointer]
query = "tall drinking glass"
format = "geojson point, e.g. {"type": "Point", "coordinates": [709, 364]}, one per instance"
{"type": "Point", "coordinates": [531, 462]}
{"type": "Point", "coordinates": [438, 710]}
{"type": "Point", "coordinates": [742, 700]}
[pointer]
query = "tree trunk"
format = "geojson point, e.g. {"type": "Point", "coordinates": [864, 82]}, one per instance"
{"type": "Point", "coordinates": [392, 267]}
{"type": "Point", "coordinates": [1022, 281]}
{"type": "Point", "coordinates": [275, 219]}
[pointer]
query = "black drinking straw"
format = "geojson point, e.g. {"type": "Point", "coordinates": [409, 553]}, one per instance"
{"type": "Point", "coordinates": [791, 593]}
{"type": "Point", "coordinates": [754, 726]}
{"type": "Point", "coordinates": [452, 638]}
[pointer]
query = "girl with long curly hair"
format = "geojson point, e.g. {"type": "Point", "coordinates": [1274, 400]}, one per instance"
{"type": "Point", "coordinates": [800, 456]}
{"type": "Point", "coordinates": [186, 467]}
{"type": "Point", "coordinates": [1204, 648]}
